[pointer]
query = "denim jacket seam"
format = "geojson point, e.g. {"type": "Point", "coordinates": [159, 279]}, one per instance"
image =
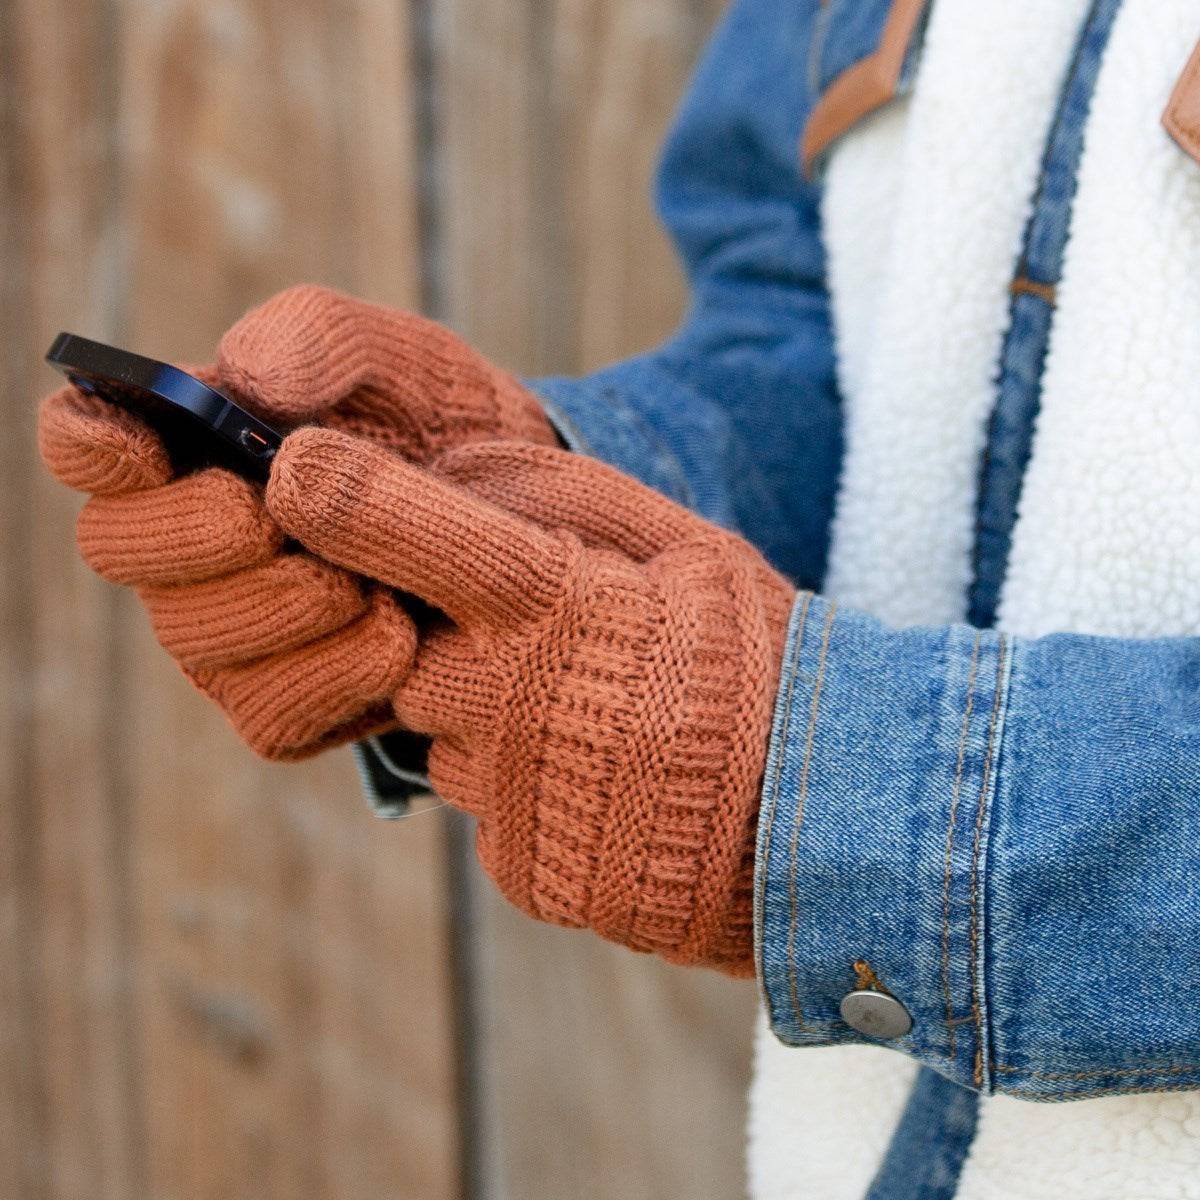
{"type": "Point", "coordinates": [798, 819]}
{"type": "Point", "coordinates": [1096, 1093]}
{"type": "Point", "coordinates": [770, 798]}
{"type": "Point", "coordinates": [955, 795]}
{"type": "Point", "coordinates": [976, 937]}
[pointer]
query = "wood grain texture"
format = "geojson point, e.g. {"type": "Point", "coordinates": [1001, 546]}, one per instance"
{"type": "Point", "coordinates": [220, 978]}
{"type": "Point", "coordinates": [604, 1074]}
{"type": "Point", "coordinates": [327, 1063]}
{"type": "Point", "coordinates": [73, 1128]}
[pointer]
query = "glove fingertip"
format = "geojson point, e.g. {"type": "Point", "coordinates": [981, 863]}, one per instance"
{"type": "Point", "coordinates": [279, 358]}
{"type": "Point", "coordinates": [93, 446]}
{"type": "Point", "coordinates": [315, 480]}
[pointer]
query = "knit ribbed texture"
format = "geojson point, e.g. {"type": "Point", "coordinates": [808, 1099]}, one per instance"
{"type": "Point", "coordinates": [602, 699]}
{"type": "Point", "coordinates": [93, 447]}
{"type": "Point", "coordinates": [314, 354]}
{"type": "Point", "coordinates": [599, 692]}
{"type": "Point", "coordinates": [299, 653]}
{"type": "Point", "coordinates": [200, 527]}
{"type": "Point", "coordinates": [294, 650]}
{"type": "Point", "coordinates": [281, 605]}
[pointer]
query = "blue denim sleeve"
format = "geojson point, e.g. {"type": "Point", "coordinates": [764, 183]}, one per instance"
{"type": "Point", "coordinates": [1006, 832]}
{"type": "Point", "coordinates": [737, 415]}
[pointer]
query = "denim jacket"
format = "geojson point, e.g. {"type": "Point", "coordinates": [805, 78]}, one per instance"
{"type": "Point", "coordinates": [1005, 828]}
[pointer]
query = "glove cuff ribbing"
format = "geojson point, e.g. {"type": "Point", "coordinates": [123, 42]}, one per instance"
{"type": "Point", "coordinates": [633, 810]}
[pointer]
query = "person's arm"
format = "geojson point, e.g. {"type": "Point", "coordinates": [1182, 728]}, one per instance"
{"type": "Point", "coordinates": [737, 415]}
{"type": "Point", "coordinates": [1004, 834]}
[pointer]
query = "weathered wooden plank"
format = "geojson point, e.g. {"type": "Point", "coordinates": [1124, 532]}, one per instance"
{"type": "Point", "coordinates": [74, 1071]}
{"type": "Point", "coordinates": [604, 1073]}
{"type": "Point", "coordinates": [21, 1110]}
{"type": "Point", "coordinates": [219, 978]}
{"type": "Point", "coordinates": [297, 1021]}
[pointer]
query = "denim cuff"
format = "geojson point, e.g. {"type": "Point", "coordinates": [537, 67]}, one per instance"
{"type": "Point", "coordinates": [873, 833]}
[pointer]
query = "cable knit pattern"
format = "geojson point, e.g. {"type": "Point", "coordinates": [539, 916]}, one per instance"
{"type": "Point", "coordinates": [602, 698]}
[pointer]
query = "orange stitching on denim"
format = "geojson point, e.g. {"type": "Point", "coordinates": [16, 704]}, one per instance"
{"type": "Point", "coordinates": [792, 668]}
{"type": "Point", "coordinates": [1100, 1073]}
{"type": "Point", "coordinates": [865, 979]}
{"type": "Point", "coordinates": [954, 796]}
{"type": "Point", "coordinates": [801, 797]}
{"type": "Point", "coordinates": [1024, 286]}
{"type": "Point", "coordinates": [981, 808]}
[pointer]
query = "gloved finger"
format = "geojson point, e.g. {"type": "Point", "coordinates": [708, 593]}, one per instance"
{"type": "Point", "coordinates": [312, 353]}
{"type": "Point", "coordinates": [357, 505]}
{"type": "Point", "coordinates": [557, 489]}
{"type": "Point", "coordinates": [195, 528]}
{"type": "Point", "coordinates": [450, 688]}
{"type": "Point", "coordinates": [310, 347]}
{"type": "Point", "coordinates": [96, 447]}
{"type": "Point", "coordinates": [332, 690]}
{"type": "Point", "coordinates": [283, 604]}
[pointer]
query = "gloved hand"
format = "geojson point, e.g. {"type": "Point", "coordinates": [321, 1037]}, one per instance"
{"type": "Point", "coordinates": [280, 640]}
{"type": "Point", "coordinates": [300, 654]}
{"type": "Point", "coordinates": [310, 354]}
{"type": "Point", "coordinates": [601, 694]}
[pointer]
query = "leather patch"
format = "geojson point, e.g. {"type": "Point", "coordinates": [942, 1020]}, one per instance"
{"type": "Point", "coordinates": [864, 87]}
{"type": "Point", "coordinates": [1182, 115]}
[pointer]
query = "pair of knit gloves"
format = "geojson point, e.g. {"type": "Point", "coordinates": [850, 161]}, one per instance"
{"type": "Point", "coordinates": [596, 666]}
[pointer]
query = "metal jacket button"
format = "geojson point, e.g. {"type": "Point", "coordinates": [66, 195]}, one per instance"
{"type": "Point", "coordinates": [875, 1014]}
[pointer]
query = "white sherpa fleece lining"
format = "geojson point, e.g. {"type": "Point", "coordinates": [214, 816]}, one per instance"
{"type": "Point", "coordinates": [924, 208]}
{"type": "Point", "coordinates": [923, 217]}
{"type": "Point", "coordinates": [1108, 535]}
{"type": "Point", "coordinates": [918, 371]}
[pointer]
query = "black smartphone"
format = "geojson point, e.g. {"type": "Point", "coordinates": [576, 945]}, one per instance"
{"type": "Point", "coordinates": [200, 426]}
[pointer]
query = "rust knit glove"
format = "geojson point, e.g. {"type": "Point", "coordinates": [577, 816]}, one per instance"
{"type": "Point", "coordinates": [313, 355]}
{"type": "Point", "coordinates": [298, 653]}
{"type": "Point", "coordinates": [600, 696]}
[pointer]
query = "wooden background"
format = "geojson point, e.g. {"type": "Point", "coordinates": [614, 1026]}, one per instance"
{"type": "Point", "coordinates": [220, 978]}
